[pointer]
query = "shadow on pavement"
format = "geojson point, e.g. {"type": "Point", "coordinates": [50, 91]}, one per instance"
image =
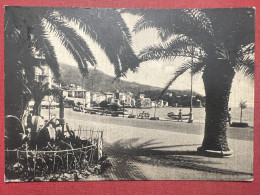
{"type": "Point", "coordinates": [126, 152]}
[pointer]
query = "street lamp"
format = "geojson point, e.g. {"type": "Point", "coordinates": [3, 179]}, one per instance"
{"type": "Point", "coordinates": [50, 101]}
{"type": "Point", "coordinates": [191, 78]}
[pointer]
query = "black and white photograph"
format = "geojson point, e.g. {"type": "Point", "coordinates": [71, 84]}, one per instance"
{"type": "Point", "coordinates": [100, 94]}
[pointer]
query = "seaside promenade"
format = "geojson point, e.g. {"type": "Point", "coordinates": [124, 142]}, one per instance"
{"type": "Point", "coordinates": [165, 150]}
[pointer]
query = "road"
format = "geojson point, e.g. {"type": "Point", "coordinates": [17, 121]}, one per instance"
{"type": "Point", "coordinates": [246, 134]}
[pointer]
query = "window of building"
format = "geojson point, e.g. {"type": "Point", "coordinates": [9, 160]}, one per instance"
{"type": "Point", "coordinates": [79, 94]}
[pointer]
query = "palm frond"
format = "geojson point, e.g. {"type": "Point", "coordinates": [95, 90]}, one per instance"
{"type": "Point", "coordinates": [180, 46]}
{"type": "Point", "coordinates": [195, 66]}
{"type": "Point", "coordinates": [198, 67]}
{"type": "Point", "coordinates": [247, 50]}
{"type": "Point", "coordinates": [107, 28]}
{"type": "Point", "coordinates": [137, 12]}
{"type": "Point", "coordinates": [197, 17]}
{"type": "Point", "coordinates": [56, 91]}
{"type": "Point", "coordinates": [78, 42]}
{"type": "Point", "coordinates": [193, 23]}
{"type": "Point", "coordinates": [157, 52]}
{"type": "Point", "coordinates": [179, 72]}
{"type": "Point", "coordinates": [243, 104]}
{"type": "Point", "coordinates": [143, 24]}
{"type": "Point", "coordinates": [245, 60]}
{"type": "Point", "coordinates": [51, 59]}
{"type": "Point", "coordinates": [148, 18]}
{"type": "Point", "coordinates": [43, 44]}
{"type": "Point", "coordinates": [233, 27]}
{"type": "Point", "coordinates": [247, 66]}
{"type": "Point", "coordinates": [39, 90]}
{"type": "Point", "coordinates": [72, 42]}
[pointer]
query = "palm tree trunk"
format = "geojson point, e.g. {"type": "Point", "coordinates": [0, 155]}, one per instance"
{"type": "Point", "coordinates": [217, 80]}
{"type": "Point", "coordinates": [16, 99]}
{"type": "Point", "coordinates": [15, 102]}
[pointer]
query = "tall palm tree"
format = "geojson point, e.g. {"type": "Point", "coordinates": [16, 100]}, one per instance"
{"type": "Point", "coordinates": [221, 41]}
{"type": "Point", "coordinates": [28, 30]}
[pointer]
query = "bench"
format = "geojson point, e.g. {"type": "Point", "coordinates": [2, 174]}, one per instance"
{"type": "Point", "coordinates": [176, 116]}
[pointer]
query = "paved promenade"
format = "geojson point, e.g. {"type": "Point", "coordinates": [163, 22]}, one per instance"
{"type": "Point", "coordinates": [154, 154]}
{"type": "Point", "coordinates": [165, 150]}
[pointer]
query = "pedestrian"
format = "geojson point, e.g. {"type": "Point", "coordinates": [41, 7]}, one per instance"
{"type": "Point", "coordinates": [180, 115]}
{"type": "Point", "coordinates": [229, 116]}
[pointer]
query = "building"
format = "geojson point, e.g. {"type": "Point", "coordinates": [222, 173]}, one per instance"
{"type": "Point", "coordinates": [78, 95]}
{"type": "Point", "coordinates": [97, 97]}
{"type": "Point", "coordinates": [141, 96]}
{"type": "Point", "coordinates": [124, 98]}
{"type": "Point", "coordinates": [143, 102]}
{"type": "Point", "coordinates": [110, 97]}
{"type": "Point", "coordinates": [43, 72]}
{"type": "Point", "coordinates": [162, 103]}
{"type": "Point", "coordinates": [44, 75]}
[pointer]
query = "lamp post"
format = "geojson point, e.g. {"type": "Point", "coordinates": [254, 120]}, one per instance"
{"type": "Point", "coordinates": [50, 101]}
{"type": "Point", "coordinates": [155, 108]}
{"type": "Point", "coordinates": [191, 80]}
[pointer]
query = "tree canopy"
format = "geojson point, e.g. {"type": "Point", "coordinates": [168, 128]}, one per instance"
{"type": "Point", "coordinates": [28, 32]}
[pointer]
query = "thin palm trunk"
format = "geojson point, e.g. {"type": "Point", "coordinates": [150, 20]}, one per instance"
{"type": "Point", "coordinates": [241, 115]}
{"type": "Point", "coordinates": [217, 79]}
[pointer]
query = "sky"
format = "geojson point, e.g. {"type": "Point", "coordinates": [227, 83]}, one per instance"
{"type": "Point", "coordinates": [157, 73]}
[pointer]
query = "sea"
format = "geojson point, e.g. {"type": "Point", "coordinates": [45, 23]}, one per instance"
{"type": "Point", "coordinates": [198, 113]}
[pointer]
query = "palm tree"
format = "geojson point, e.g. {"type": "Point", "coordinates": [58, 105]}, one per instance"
{"type": "Point", "coordinates": [28, 30]}
{"type": "Point", "coordinates": [221, 41]}
{"type": "Point", "coordinates": [38, 92]}
{"type": "Point", "coordinates": [242, 106]}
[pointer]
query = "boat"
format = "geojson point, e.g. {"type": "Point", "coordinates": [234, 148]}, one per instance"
{"type": "Point", "coordinates": [172, 115]}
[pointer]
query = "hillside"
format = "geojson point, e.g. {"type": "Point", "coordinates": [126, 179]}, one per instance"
{"type": "Point", "coordinates": [103, 82]}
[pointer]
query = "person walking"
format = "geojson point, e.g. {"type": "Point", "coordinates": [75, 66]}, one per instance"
{"type": "Point", "coordinates": [180, 115]}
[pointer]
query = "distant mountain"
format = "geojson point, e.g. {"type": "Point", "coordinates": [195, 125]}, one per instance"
{"type": "Point", "coordinates": [103, 82]}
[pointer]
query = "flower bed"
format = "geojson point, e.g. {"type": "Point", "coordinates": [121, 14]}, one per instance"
{"type": "Point", "coordinates": [68, 158]}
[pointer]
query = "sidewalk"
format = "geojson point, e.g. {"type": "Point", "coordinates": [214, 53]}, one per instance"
{"type": "Point", "coordinates": [150, 154]}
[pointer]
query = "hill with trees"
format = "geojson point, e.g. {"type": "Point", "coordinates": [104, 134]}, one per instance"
{"type": "Point", "coordinates": [102, 82]}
